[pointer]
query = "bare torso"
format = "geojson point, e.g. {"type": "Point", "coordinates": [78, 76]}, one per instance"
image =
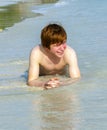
{"type": "Point", "coordinates": [49, 62]}
{"type": "Point", "coordinates": [49, 66]}
{"type": "Point", "coordinates": [44, 71]}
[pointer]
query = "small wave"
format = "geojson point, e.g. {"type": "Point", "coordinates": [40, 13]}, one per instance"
{"type": "Point", "coordinates": [12, 83]}
{"type": "Point", "coordinates": [43, 9]}
{"type": "Point", "coordinates": [15, 62]}
{"type": "Point", "coordinates": [6, 87]}
{"type": "Point", "coordinates": [61, 3]}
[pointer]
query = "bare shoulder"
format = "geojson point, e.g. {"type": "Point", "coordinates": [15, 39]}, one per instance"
{"type": "Point", "coordinates": [70, 55]}
{"type": "Point", "coordinates": [70, 52]}
{"type": "Point", "coordinates": [35, 53]}
{"type": "Point", "coordinates": [35, 50]}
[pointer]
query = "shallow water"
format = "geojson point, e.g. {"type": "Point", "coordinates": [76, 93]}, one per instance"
{"type": "Point", "coordinates": [80, 106]}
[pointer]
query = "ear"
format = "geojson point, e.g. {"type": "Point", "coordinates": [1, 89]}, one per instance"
{"type": "Point", "coordinates": [48, 48]}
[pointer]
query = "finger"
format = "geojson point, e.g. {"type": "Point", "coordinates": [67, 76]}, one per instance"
{"type": "Point", "coordinates": [48, 87]}
{"type": "Point", "coordinates": [55, 78]}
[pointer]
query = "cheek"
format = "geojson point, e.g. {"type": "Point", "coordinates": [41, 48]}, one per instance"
{"type": "Point", "coordinates": [64, 46]}
{"type": "Point", "coordinates": [53, 49]}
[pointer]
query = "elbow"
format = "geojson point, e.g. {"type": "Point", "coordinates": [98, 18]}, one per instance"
{"type": "Point", "coordinates": [77, 77]}
{"type": "Point", "coordinates": [29, 83]}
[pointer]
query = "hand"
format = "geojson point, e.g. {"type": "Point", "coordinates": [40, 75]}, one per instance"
{"type": "Point", "coordinates": [52, 83]}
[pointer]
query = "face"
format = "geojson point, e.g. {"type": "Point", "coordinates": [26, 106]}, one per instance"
{"type": "Point", "coordinates": [58, 49]}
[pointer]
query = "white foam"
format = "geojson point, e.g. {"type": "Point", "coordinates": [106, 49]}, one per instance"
{"type": "Point", "coordinates": [61, 3]}
{"type": "Point", "coordinates": [43, 9]}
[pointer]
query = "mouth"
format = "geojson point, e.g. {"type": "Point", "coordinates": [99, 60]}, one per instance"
{"type": "Point", "coordinates": [60, 53]}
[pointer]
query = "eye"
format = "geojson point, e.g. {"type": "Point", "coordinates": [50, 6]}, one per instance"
{"type": "Point", "coordinates": [64, 42]}
{"type": "Point", "coordinates": [56, 44]}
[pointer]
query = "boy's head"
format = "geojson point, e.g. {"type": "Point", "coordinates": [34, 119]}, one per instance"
{"type": "Point", "coordinates": [53, 34]}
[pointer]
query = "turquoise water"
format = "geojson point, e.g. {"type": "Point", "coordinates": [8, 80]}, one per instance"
{"type": "Point", "coordinates": [80, 106]}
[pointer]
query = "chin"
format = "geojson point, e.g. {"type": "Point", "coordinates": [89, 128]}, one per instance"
{"type": "Point", "coordinates": [60, 55]}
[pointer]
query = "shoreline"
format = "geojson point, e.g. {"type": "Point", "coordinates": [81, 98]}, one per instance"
{"type": "Point", "coordinates": [18, 11]}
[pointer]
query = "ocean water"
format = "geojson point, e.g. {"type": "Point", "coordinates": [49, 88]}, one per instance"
{"type": "Point", "coordinates": [79, 106]}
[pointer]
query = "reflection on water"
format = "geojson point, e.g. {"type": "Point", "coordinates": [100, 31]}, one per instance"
{"type": "Point", "coordinates": [11, 14]}
{"type": "Point", "coordinates": [58, 110]}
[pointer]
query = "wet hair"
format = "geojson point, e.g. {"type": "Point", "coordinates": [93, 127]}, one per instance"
{"type": "Point", "coordinates": [52, 34]}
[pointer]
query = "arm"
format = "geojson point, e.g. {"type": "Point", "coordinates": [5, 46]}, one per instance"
{"type": "Point", "coordinates": [33, 72]}
{"type": "Point", "coordinates": [71, 59]}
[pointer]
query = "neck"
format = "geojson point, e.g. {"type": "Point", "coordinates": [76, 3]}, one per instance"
{"type": "Point", "coordinates": [52, 56]}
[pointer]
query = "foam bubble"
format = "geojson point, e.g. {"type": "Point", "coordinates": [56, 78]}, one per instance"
{"type": "Point", "coordinates": [60, 3]}
{"type": "Point", "coordinates": [43, 9]}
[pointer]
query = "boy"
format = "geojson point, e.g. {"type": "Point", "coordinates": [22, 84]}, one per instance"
{"type": "Point", "coordinates": [52, 57]}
